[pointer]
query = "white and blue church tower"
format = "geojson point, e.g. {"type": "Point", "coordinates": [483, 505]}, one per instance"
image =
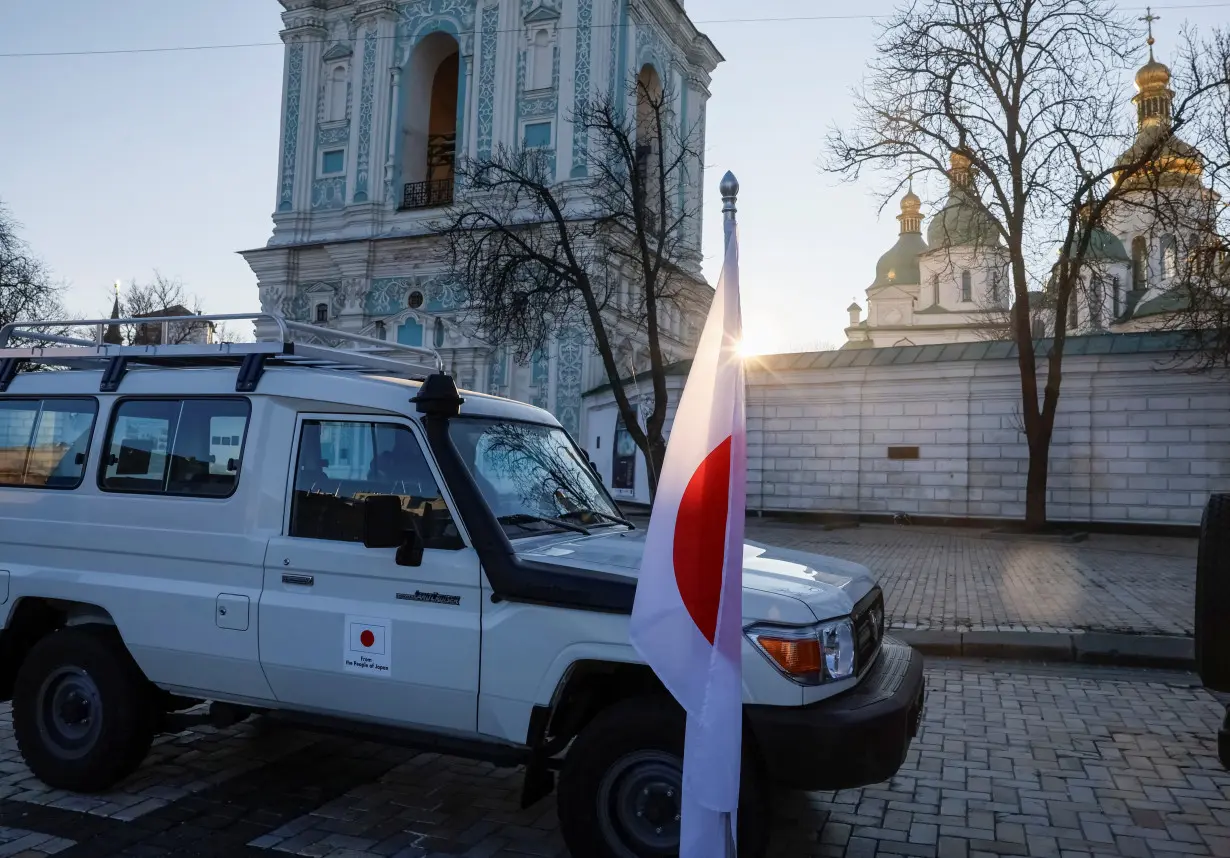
{"type": "Point", "coordinates": [380, 99]}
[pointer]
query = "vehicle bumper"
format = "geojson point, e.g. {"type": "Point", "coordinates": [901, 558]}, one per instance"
{"type": "Point", "coordinates": [856, 738]}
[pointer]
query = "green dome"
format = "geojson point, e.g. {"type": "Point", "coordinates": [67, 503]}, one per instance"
{"type": "Point", "coordinates": [900, 264]}
{"type": "Point", "coordinates": [1105, 247]}
{"type": "Point", "coordinates": [961, 223]}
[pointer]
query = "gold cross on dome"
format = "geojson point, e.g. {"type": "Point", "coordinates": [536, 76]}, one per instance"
{"type": "Point", "coordinates": [1149, 18]}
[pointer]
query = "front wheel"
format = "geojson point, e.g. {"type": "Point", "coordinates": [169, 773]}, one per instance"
{"type": "Point", "coordinates": [83, 714]}
{"type": "Point", "coordinates": [620, 786]}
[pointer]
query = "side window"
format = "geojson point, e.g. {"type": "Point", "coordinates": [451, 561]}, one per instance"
{"type": "Point", "coordinates": [43, 443]}
{"type": "Point", "coordinates": [176, 446]}
{"type": "Point", "coordinates": [341, 462]}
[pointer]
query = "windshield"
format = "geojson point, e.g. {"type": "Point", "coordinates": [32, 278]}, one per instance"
{"type": "Point", "coordinates": [532, 476]}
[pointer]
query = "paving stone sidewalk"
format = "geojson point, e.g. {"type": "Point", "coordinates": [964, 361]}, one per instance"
{"type": "Point", "coordinates": [960, 579]}
{"type": "Point", "coordinates": [1018, 760]}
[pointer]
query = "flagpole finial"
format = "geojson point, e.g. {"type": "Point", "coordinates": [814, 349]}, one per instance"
{"type": "Point", "coordinates": [730, 191]}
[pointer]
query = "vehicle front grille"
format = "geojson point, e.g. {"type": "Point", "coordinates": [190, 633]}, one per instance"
{"type": "Point", "coordinates": [868, 628]}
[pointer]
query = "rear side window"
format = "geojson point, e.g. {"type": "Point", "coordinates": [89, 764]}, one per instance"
{"type": "Point", "coordinates": [176, 446]}
{"type": "Point", "coordinates": [44, 442]}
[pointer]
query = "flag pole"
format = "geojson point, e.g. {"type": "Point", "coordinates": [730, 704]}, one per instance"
{"type": "Point", "coordinates": [730, 191]}
{"type": "Point", "coordinates": [729, 188]}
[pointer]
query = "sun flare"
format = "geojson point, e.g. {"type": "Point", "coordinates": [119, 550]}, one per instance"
{"type": "Point", "coordinates": [748, 347]}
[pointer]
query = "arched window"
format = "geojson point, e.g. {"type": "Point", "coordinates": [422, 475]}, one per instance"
{"type": "Point", "coordinates": [1198, 256]}
{"type": "Point", "coordinates": [437, 333]}
{"type": "Point", "coordinates": [623, 459]}
{"type": "Point", "coordinates": [1140, 263]}
{"type": "Point", "coordinates": [1096, 288]}
{"type": "Point", "coordinates": [322, 312]}
{"type": "Point", "coordinates": [967, 288]}
{"type": "Point", "coordinates": [381, 332]}
{"type": "Point", "coordinates": [1170, 257]}
{"type": "Point", "coordinates": [1116, 297]}
{"type": "Point", "coordinates": [540, 61]}
{"type": "Point", "coordinates": [935, 289]}
{"type": "Point", "coordinates": [997, 289]}
{"type": "Point", "coordinates": [1038, 328]}
{"type": "Point", "coordinates": [335, 95]}
{"type": "Point", "coordinates": [428, 122]}
{"type": "Point", "coordinates": [650, 105]}
{"type": "Point", "coordinates": [1073, 310]}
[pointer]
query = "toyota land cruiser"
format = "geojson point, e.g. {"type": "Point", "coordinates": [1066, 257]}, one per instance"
{"type": "Point", "coordinates": [342, 540]}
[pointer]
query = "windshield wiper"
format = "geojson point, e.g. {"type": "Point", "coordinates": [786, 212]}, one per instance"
{"type": "Point", "coordinates": [600, 514]}
{"type": "Point", "coordinates": [523, 518]}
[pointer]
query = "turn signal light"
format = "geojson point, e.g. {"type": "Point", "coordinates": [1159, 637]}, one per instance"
{"type": "Point", "coordinates": [795, 656]}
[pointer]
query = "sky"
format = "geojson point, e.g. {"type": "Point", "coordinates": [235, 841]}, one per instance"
{"type": "Point", "coordinates": [122, 164]}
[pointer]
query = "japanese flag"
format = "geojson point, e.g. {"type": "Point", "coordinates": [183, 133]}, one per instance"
{"type": "Point", "coordinates": [686, 621]}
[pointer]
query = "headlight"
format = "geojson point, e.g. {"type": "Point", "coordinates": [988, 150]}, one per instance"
{"type": "Point", "coordinates": [808, 655]}
{"type": "Point", "coordinates": [838, 642]}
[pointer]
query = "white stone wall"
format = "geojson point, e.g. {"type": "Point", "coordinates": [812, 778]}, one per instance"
{"type": "Point", "coordinates": [1136, 440]}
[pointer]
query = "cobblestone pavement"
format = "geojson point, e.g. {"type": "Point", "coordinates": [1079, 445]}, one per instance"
{"type": "Point", "coordinates": [967, 580]}
{"type": "Point", "coordinates": [1011, 760]}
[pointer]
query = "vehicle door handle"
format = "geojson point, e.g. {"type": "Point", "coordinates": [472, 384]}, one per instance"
{"type": "Point", "coordinates": [301, 580]}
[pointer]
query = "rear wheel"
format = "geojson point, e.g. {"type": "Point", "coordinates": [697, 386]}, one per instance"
{"type": "Point", "coordinates": [83, 714]}
{"type": "Point", "coordinates": [620, 786]}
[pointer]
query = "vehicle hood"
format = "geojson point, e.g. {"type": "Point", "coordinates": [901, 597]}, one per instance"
{"type": "Point", "coordinates": [779, 584]}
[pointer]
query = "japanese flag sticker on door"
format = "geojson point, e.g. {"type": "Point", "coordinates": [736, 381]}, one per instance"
{"type": "Point", "coordinates": [367, 646]}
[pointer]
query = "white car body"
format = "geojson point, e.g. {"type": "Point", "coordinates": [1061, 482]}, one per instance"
{"type": "Point", "coordinates": [215, 600]}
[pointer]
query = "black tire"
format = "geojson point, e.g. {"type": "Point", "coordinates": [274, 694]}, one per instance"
{"type": "Point", "coordinates": [83, 713]}
{"type": "Point", "coordinates": [1213, 595]}
{"type": "Point", "coordinates": [651, 726]}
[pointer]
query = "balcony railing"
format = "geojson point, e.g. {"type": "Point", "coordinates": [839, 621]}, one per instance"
{"type": "Point", "coordinates": [425, 195]}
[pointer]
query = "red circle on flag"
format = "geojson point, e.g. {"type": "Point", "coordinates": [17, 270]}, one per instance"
{"type": "Point", "coordinates": [700, 539]}
{"type": "Point", "coordinates": [367, 638]}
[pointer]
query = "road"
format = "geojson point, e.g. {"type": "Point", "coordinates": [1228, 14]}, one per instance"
{"type": "Point", "coordinates": [966, 579]}
{"type": "Point", "coordinates": [1012, 760]}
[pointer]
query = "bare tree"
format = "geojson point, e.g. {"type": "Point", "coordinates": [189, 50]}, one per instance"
{"type": "Point", "coordinates": [27, 292]}
{"type": "Point", "coordinates": [532, 255]}
{"type": "Point", "coordinates": [1018, 104]}
{"type": "Point", "coordinates": [162, 296]}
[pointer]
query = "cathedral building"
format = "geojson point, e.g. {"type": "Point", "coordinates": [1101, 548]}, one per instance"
{"type": "Point", "coordinates": [380, 99]}
{"type": "Point", "coordinates": [949, 288]}
{"type": "Point", "coordinates": [954, 286]}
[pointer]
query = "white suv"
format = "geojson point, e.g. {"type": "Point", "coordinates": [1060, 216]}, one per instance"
{"type": "Point", "coordinates": [315, 535]}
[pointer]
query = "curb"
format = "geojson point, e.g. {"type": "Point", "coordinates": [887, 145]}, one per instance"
{"type": "Point", "coordinates": [1018, 536]}
{"type": "Point", "coordinates": [1101, 648]}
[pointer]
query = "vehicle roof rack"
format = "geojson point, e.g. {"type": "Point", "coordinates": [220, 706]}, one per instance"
{"type": "Point", "coordinates": [320, 350]}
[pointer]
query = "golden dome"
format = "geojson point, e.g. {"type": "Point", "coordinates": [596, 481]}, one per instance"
{"type": "Point", "coordinates": [1152, 75]}
{"type": "Point", "coordinates": [1170, 160]}
{"type": "Point", "coordinates": [911, 212]}
{"type": "Point", "coordinates": [1153, 93]}
{"type": "Point", "coordinates": [911, 204]}
{"type": "Point", "coordinates": [960, 170]}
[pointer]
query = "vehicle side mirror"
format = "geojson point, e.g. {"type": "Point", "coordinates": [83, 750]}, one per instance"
{"type": "Point", "coordinates": [382, 521]}
{"type": "Point", "coordinates": [410, 551]}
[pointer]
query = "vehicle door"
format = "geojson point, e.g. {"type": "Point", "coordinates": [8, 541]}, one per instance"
{"type": "Point", "coordinates": [345, 630]}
